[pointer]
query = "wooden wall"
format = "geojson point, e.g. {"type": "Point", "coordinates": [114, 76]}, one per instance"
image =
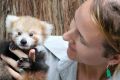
{"type": "Point", "coordinates": [57, 12]}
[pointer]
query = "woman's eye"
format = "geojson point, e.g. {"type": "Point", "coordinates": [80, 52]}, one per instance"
{"type": "Point", "coordinates": [19, 33]}
{"type": "Point", "coordinates": [31, 34]}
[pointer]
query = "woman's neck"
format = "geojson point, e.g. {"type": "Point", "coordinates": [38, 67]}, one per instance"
{"type": "Point", "coordinates": [87, 72]}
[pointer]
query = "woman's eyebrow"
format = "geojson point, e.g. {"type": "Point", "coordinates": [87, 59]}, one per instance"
{"type": "Point", "coordinates": [81, 36]}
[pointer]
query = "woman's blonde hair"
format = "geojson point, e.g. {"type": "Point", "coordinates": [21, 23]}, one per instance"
{"type": "Point", "coordinates": [106, 13]}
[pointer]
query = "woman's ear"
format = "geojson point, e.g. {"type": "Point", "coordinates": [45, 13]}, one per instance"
{"type": "Point", "coordinates": [114, 59]}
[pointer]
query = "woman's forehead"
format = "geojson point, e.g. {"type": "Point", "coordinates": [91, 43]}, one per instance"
{"type": "Point", "coordinates": [83, 16]}
{"type": "Point", "coordinates": [85, 24]}
{"type": "Point", "coordinates": [83, 10]}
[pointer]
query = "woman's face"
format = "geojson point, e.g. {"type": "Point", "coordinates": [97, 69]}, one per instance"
{"type": "Point", "coordinates": [85, 39]}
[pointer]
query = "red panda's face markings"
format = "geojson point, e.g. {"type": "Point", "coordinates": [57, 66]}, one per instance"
{"type": "Point", "coordinates": [27, 38]}
{"type": "Point", "coordinates": [28, 32]}
{"type": "Point", "coordinates": [36, 39]}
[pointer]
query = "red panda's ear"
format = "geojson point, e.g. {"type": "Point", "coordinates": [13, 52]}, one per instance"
{"type": "Point", "coordinates": [9, 20]}
{"type": "Point", "coordinates": [48, 27]}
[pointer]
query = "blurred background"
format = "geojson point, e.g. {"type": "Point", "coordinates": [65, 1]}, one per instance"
{"type": "Point", "coordinates": [57, 12]}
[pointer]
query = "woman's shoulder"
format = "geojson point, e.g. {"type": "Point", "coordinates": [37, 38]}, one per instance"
{"type": "Point", "coordinates": [56, 51]}
{"type": "Point", "coordinates": [116, 75]}
{"type": "Point", "coordinates": [60, 64]}
{"type": "Point", "coordinates": [57, 46]}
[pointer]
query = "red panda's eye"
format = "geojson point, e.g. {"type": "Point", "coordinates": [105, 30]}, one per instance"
{"type": "Point", "coordinates": [19, 33]}
{"type": "Point", "coordinates": [31, 34]}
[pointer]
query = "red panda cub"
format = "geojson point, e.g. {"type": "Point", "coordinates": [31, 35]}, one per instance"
{"type": "Point", "coordinates": [27, 33]}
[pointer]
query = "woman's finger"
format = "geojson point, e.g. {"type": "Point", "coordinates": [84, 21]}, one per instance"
{"type": "Point", "coordinates": [10, 61]}
{"type": "Point", "coordinates": [16, 75]}
{"type": "Point", "coordinates": [19, 53]}
{"type": "Point", "coordinates": [32, 55]}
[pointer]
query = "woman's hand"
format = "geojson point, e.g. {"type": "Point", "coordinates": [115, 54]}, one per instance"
{"type": "Point", "coordinates": [14, 63]}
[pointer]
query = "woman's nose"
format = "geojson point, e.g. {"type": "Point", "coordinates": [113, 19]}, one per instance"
{"type": "Point", "coordinates": [67, 36]}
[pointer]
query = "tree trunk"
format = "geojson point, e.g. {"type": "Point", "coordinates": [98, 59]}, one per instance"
{"type": "Point", "coordinates": [57, 12]}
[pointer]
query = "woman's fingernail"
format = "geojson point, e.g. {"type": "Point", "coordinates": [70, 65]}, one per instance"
{"type": "Point", "coordinates": [32, 51]}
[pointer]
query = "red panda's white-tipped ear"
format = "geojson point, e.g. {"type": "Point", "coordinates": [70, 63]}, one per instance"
{"type": "Point", "coordinates": [48, 27]}
{"type": "Point", "coordinates": [9, 20]}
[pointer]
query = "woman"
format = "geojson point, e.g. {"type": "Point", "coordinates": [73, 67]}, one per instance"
{"type": "Point", "coordinates": [93, 49]}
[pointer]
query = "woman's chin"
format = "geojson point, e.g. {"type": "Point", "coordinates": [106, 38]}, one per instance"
{"type": "Point", "coordinates": [71, 54]}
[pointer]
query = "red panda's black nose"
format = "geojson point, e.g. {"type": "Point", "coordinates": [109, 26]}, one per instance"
{"type": "Point", "coordinates": [23, 41]}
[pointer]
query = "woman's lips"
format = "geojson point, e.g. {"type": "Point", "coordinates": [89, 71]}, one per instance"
{"type": "Point", "coordinates": [71, 47]}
